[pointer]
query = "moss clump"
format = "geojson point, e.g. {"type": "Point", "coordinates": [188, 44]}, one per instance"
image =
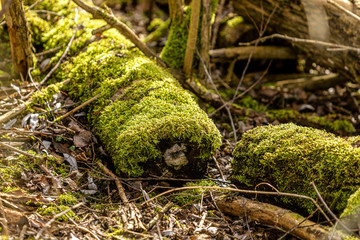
{"type": "Point", "coordinates": [290, 157]}
{"type": "Point", "coordinates": [191, 195]}
{"type": "Point", "coordinates": [37, 26]}
{"type": "Point", "coordinates": [142, 108]}
{"type": "Point", "coordinates": [232, 23]}
{"type": "Point", "coordinates": [285, 115]}
{"type": "Point", "coordinates": [353, 204]}
{"type": "Point", "coordinates": [67, 199]}
{"type": "Point", "coordinates": [46, 94]}
{"type": "Point", "coordinates": [174, 51]}
{"type": "Point", "coordinates": [52, 209]}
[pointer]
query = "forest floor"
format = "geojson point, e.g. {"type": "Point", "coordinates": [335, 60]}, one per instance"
{"type": "Point", "coordinates": [43, 198]}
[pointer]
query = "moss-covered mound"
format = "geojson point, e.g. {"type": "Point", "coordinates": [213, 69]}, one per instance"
{"type": "Point", "coordinates": [146, 120]}
{"type": "Point", "coordinates": [290, 157]}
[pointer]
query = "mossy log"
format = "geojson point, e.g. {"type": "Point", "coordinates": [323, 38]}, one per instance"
{"type": "Point", "coordinates": [318, 20]}
{"type": "Point", "coordinates": [148, 123]}
{"type": "Point", "coordinates": [290, 157]}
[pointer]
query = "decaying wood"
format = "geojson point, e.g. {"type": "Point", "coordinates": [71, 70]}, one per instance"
{"type": "Point", "coordinates": [292, 20]}
{"type": "Point", "coordinates": [268, 214]}
{"type": "Point", "coordinates": [260, 52]}
{"type": "Point", "coordinates": [19, 35]}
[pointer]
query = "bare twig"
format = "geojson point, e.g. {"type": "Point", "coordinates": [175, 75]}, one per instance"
{"type": "Point", "coordinates": [328, 209]}
{"type": "Point", "coordinates": [101, 29]}
{"type": "Point", "coordinates": [99, 13]}
{"type": "Point", "coordinates": [251, 54]}
{"type": "Point", "coordinates": [217, 22]}
{"type": "Point", "coordinates": [240, 191]}
{"type": "Point", "coordinates": [78, 107]}
{"type": "Point", "coordinates": [20, 151]}
{"type": "Point", "coordinates": [218, 167]}
{"type": "Point", "coordinates": [48, 224]}
{"type": "Point", "coordinates": [60, 60]}
{"type": "Point", "coordinates": [5, 7]}
{"type": "Point", "coordinates": [48, 51]}
{"type": "Point", "coordinates": [302, 40]}
{"type": "Point", "coordinates": [246, 220]}
{"type": "Point", "coordinates": [119, 186]}
{"type": "Point", "coordinates": [83, 228]}
{"type": "Point", "coordinates": [344, 9]}
{"type": "Point", "coordinates": [217, 92]}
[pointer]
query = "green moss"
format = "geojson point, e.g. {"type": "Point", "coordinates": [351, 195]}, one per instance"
{"type": "Point", "coordinates": [290, 157]}
{"type": "Point", "coordinates": [173, 52]}
{"type": "Point", "coordinates": [158, 33]}
{"type": "Point", "coordinates": [353, 204]}
{"type": "Point", "coordinates": [46, 94]}
{"type": "Point", "coordinates": [37, 26]}
{"type": "Point", "coordinates": [284, 115]}
{"type": "Point", "coordinates": [67, 199]}
{"type": "Point", "coordinates": [232, 23]}
{"type": "Point", "coordinates": [155, 23]}
{"type": "Point", "coordinates": [249, 102]}
{"type": "Point", "coordinates": [52, 209]}
{"type": "Point", "coordinates": [191, 195]}
{"type": "Point", "coordinates": [142, 107]}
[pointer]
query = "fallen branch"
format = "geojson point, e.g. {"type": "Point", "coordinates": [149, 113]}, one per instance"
{"type": "Point", "coordinates": [78, 107]}
{"type": "Point", "coordinates": [20, 151]}
{"type": "Point", "coordinates": [119, 186]}
{"type": "Point", "coordinates": [260, 52]}
{"type": "Point", "coordinates": [241, 191]}
{"type": "Point", "coordinates": [268, 214]}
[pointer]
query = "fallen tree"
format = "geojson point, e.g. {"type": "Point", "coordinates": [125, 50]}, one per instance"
{"type": "Point", "coordinates": [330, 31]}
{"type": "Point", "coordinates": [147, 122]}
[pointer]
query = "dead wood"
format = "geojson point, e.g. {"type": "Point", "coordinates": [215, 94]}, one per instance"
{"type": "Point", "coordinates": [268, 214]}
{"type": "Point", "coordinates": [324, 23]}
{"type": "Point", "coordinates": [260, 52]}
{"type": "Point", "coordinates": [19, 35]}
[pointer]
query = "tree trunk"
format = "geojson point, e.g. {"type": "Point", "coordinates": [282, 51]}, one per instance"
{"type": "Point", "coordinates": [19, 34]}
{"type": "Point", "coordinates": [316, 20]}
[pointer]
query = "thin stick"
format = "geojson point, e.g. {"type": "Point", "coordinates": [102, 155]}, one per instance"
{"type": "Point", "coordinates": [344, 9]}
{"type": "Point", "coordinates": [48, 51]}
{"type": "Point", "coordinates": [217, 92]}
{"type": "Point", "coordinates": [119, 186]}
{"type": "Point", "coordinates": [302, 40]}
{"type": "Point", "coordinates": [83, 228]}
{"type": "Point", "coordinates": [78, 107]}
{"type": "Point", "coordinates": [55, 217]}
{"type": "Point", "coordinates": [328, 209]}
{"type": "Point", "coordinates": [60, 60]}
{"type": "Point", "coordinates": [20, 151]}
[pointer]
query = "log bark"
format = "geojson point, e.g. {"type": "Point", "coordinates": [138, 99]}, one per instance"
{"type": "Point", "coordinates": [19, 35]}
{"type": "Point", "coordinates": [303, 19]}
